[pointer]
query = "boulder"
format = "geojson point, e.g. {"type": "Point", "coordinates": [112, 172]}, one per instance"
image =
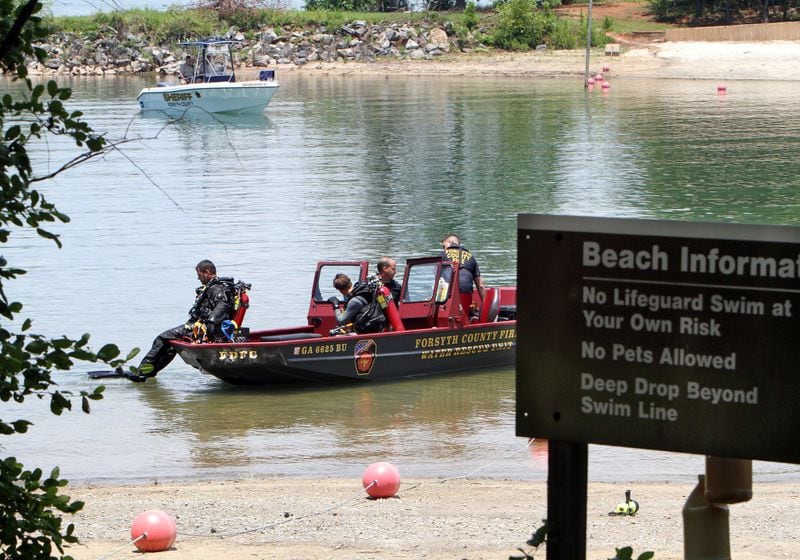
{"type": "Point", "coordinates": [438, 38]}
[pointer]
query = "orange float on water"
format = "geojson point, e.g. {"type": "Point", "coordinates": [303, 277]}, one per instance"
{"type": "Point", "coordinates": [381, 480]}
{"type": "Point", "coordinates": [153, 531]}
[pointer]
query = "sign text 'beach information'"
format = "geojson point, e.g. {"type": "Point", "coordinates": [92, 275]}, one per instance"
{"type": "Point", "coordinates": [677, 336]}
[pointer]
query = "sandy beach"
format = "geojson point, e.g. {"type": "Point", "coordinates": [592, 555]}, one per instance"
{"type": "Point", "coordinates": [470, 519]}
{"type": "Point", "coordinates": [720, 61]}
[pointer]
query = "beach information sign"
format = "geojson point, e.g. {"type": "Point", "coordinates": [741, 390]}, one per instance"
{"type": "Point", "coordinates": [675, 336]}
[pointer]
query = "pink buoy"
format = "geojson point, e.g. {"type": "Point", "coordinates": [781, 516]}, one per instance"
{"type": "Point", "coordinates": [153, 531]}
{"type": "Point", "coordinates": [605, 85]}
{"type": "Point", "coordinates": [722, 88]}
{"type": "Point", "coordinates": [590, 81]}
{"type": "Point", "coordinates": [598, 77]}
{"type": "Point", "coordinates": [606, 68]}
{"type": "Point", "coordinates": [381, 480]}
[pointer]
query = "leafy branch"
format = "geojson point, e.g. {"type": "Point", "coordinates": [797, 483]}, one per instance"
{"type": "Point", "coordinates": [539, 538]}
{"type": "Point", "coordinates": [30, 502]}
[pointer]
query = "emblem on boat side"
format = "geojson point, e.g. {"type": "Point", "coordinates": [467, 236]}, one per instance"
{"type": "Point", "coordinates": [365, 353]}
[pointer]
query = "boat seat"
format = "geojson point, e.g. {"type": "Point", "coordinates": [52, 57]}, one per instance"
{"type": "Point", "coordinates": [508, 312]}
{"type": "Point", "coordinates": [289, 336]}
{"type": "Point", "coordinates": [490, 306]}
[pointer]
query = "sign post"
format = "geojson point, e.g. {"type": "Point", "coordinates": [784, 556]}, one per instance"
{"type": "Point", "coordinates": [674, 336]}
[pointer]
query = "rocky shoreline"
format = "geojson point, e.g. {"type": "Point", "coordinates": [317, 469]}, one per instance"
{"type": "Point", "coordinates": [109, 53]}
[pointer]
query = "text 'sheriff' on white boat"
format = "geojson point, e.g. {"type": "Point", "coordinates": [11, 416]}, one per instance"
{"type": "Point", "coordinates": [212, 88]}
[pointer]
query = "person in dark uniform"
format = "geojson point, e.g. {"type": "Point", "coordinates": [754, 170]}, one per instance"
{"type": "Point", "coordinates": [387, 268]}
{"type": "Point", "coordinates": [469, 272]}
{"type": "Point", "coordinates": [213, 304]}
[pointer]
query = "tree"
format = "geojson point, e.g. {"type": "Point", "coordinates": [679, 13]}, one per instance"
{"type": "Point", "coordinates": [521, 24]}
{"type": "Point", "coordinates": [30, 503]}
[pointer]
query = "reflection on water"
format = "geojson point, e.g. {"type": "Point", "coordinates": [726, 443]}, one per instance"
{"type": "Point", "coordinates": [354, 168]}
{"type": "Point", "coordinates": [347, 425]}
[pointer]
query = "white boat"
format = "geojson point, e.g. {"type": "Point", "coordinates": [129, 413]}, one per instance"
{"type": "Point", "coordinates": [212, 88]}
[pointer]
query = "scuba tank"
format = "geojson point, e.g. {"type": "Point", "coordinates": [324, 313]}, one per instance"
{"type": "Point", "coordinates": [385, 300]}
{"type": "Point", "coordinates": [241, 302]}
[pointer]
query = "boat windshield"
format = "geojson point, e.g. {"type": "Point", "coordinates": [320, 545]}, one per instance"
{"type": "Point", "coordinates": [216, 63]}
{"type": "Point", "coordinates": [421, 283]}
{"type": "Point", "coordinates": [324, 289]}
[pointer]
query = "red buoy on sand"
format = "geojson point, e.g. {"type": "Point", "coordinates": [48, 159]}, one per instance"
{"type": "Point", "coordinates": [153, 531]}
{"type": "Point", "coordinates": [381, 480]}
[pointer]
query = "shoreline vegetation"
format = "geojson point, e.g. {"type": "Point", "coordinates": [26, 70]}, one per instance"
{"type": "Point", "coordinates": [692, 60]}
{"type": "Point", "coordinates": [452, 44]}
{"type": "Point", "coordinates": [713, 61]}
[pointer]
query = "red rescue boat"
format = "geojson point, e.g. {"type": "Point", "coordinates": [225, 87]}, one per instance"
{"type": "Point", "coordinates": [428, 333]}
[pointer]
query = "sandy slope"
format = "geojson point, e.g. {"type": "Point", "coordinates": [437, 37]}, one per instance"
{"type": "Point", "coordinates": [775, 60]}
{"type": "Point", "coordinates": [474, 519]}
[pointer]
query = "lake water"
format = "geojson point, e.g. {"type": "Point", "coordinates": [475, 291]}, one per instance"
{"type": "Point", "coordinates": [356, 167]}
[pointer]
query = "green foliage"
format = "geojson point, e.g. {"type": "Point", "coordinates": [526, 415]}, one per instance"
{"type": "Point", "coordinates": [30, 526]}
{"type": "Point", "coordinates": [521, 25]}
{"type": "Point", "coordinates": [662, 10]}
{"type": "Point", "coordinates": [599, 37]}
{"type": "Point", "coordinates": [471, 17]}
{"type": "Point", "coordinates": [175, 24]}
{"type": "Point", "coordinates": [517, 24]}
{"type": "Point", "coordinates": [538, 538]}
{"type": "Point", "coordinates": [343, 5]}
{"type": "Point", "coordinates": [565, 35]}
{"type": "Point", "coordinates": [626, 553]}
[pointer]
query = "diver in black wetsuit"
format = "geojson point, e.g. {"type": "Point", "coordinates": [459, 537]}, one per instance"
{"type": "Point", "coordinates": [213, 304]}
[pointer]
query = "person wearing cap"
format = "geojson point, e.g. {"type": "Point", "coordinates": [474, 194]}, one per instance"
{"type": "Point", "coordinates": [186, 70]}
